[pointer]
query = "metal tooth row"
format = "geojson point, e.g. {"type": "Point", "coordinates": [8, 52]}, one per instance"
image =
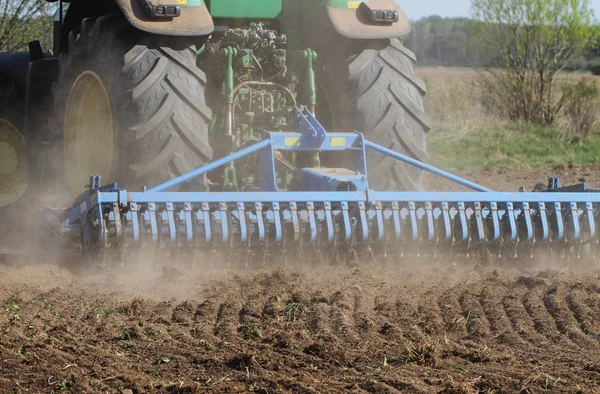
{"type": "Point", "coordinates": [399, 227]}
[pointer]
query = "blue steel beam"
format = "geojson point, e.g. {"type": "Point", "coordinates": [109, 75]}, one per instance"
{"type": "Point", "coordinates": [426, 167]}
{"type": "Point", "coordinates": [450, 197]}
{"type": "Point", "coordinates": [212, 166]}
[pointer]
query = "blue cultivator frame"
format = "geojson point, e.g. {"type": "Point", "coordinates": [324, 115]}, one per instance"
{"type": "Point", "coordinates": [335, 210]}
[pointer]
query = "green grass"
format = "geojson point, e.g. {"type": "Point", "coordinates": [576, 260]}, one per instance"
{"type": "Point", "coordinates": [506, 145]}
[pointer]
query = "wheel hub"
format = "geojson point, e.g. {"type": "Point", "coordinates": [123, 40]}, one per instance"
{"type": "Point", "coordinates": [88, 131]}
{"type": "Point", "coordinates": [13, 175]}
{"type": "Point", "coordinates": [8, 159]}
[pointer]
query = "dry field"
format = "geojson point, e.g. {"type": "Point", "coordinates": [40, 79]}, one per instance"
{"type": "Point", "coordinates": [409, 326]}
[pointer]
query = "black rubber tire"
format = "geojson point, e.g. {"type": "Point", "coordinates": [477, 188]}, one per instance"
{"type": "Point", "coordinates": [157, 98]}
{"type": "Point", "coordinates": [377, 92]}
{"type": "Point", "coordinates": [12, 109]}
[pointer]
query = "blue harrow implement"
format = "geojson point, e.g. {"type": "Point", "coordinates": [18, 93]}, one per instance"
{"type": "Point", "coordinates": [333, 212]}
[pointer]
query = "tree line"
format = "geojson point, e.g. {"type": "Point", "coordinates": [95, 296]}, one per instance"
{"type": "Point", "coordinates": [438, 41]}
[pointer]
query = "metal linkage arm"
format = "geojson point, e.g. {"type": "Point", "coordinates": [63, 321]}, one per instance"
{"type": "Point", "coordinates": [212, 166]}
{"type": "Point", "coordinates": [426, 167]}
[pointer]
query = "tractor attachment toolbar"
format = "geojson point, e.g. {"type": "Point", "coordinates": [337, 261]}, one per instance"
{"type": "Point", "coordinates": [333, 211]}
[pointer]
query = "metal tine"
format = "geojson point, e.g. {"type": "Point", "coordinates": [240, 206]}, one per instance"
{"type": "Point", "coordinates": [398, 233]}
{"type": "Point", "coordinates": [153, 222]}
{"type": "Point", "coordinates": [510, 232]}
{"type": "Point", "coordinates": [557, 227]}
{"type": "Point", "coordinates": [205, 227]}
{"type": "Point", "coordinates": [573, 231]}
{"type": "Point", "coordinates": [344, 238]}
{"type": "Point", "coordinates": [243, 234]}
{"type": "Point", "coordinates": [322, 243]}
{"type": "Point", "coordinates": [189, 225]}
{"type": "Point", "coordinates": [444, 231]}
{"type": "Point", "coordinates": [461, 230]}
{"type": "Point", "coordinates": [477, 229]}
{"type": "Point", "coordinates": [300, 248]}
{"type": "Point", "coordinates": [494, 230]}
{"type": "Point", "coordinates": [170, 220]}
{"type": "Point", "coordinates": [526, 233]}
{"type": "Point", "coordinates": [134, 219]}
{"type": "Point", "coordinates": [264, 252]}
{"type": "Point", "coordinates": [591, 239]}
{"type": "Point", "coordinates": [363, 236]}
{"type": "Point", "coordinates": [224, 221]}
{"type": "Point", "coordinates": [541, 229]}
{"type": "Point", "coordinates": [413, 232]}
{"type": "Point", "coordinates": [114, 220]}
{"type": "Point", "coordinates": [274, 230]}
{"type": "Point", "coordinates": [355, 228]}
{"type": "Point", "coordinates": [312, 223]}
{"type": "Point", "coordinates": [379, 238]}
{"type": "Point", "coordinates": [133, 237]}
{"type": "Point", "coordinates": [428, 234]}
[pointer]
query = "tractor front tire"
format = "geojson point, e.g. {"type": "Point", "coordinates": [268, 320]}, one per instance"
{"type": "Point", "coordinates": [377, 92]}
{"type": "Point", "coordinates": [129, 106]}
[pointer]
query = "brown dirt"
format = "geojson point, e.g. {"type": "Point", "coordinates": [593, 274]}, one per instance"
{"type": "Point", "coordinates": [409, 326]}
{"type": "Point", "coordinates": [510, 180]}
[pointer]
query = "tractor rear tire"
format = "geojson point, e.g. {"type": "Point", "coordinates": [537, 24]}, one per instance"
{"type": "Point", "coordinates": [154, 125]}
{"type": "Point", "coordinates": [377, 92]}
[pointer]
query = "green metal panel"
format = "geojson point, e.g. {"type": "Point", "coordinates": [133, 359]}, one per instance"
{"type": "Point", "coordinates": [249, 9]}
{"type": "Point", "coordinates": [346, 4]}
{"type": "Point", "coordinates": [190, 3]}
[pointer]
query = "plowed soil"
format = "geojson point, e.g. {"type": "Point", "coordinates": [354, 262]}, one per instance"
{"type": "Point", "coordinates": [407, 326]}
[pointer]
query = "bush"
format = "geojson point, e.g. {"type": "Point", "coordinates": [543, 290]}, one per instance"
{"type": "Point", "coordinates": [579, 105]}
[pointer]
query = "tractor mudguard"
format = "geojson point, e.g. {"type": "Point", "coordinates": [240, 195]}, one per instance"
{"type": "Point", "coordinates": [193, 20]}
{"type": "Point", "coordinates": [353, 19]}
{"type": "Point", "coordinates": [14, 64]}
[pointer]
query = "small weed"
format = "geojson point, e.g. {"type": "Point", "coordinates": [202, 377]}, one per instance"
{"type": "Point", "coordinates": [64, 385]}
{"type": "Point", "coordinates": [385, 362]}
{"type": "Point", "coordinates": [255, 331]}
{"type": "Point", "coordinates": [16, 317]}
{"type": "Point", "coordinates": [423, 354]}
{"type": "Point", "coordinates": [163, 360]}
{"type": "Point", "coordinates": [471, 321]}
{"type": "Point", "coordinates": [364, 325]}
{"type": "Point", "coordinates": [21, 350]}
{"type": "Point", "coordinates": [13, 306]}
{"type": "Point", "coordinates": [252, 388]}
{"type": "Point", "coordinates": [295, 310]}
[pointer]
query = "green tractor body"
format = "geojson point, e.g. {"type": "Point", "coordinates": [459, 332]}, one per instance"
{"type": "Point", "coordinates": [140, 91]}
{"type": "Point", "coordinates": [240, 9]}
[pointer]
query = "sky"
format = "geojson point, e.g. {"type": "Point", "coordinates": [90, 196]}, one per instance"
{"type": "Point", "coordinates": [416, 9]}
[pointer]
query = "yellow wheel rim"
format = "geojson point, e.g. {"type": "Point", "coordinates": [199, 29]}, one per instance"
{"type": "Point", "coordinates": [88, 132]}
{"type": "Point", "coordinates": [14, 179]}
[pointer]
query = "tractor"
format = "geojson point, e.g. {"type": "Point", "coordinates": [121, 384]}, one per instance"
{"type": "Point", "coordinates": [141, 91]}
